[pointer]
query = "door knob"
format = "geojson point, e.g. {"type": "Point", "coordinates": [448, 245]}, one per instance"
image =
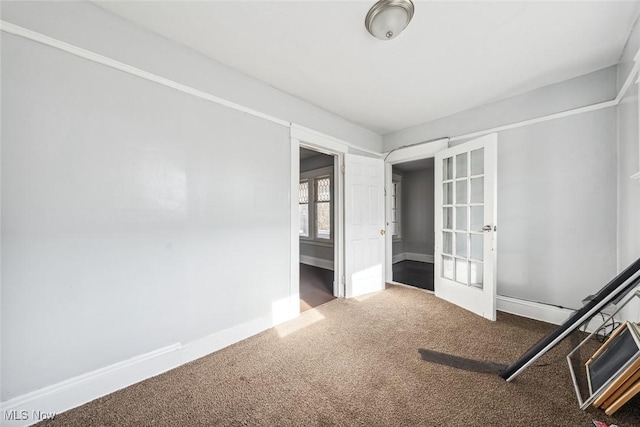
{"type": "Point", "coordinates": [382, 232]}
{"type": "Point", "coordinates": [486, 228]}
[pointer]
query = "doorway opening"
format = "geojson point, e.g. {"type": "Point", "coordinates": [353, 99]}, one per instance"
{"type": "Point", "coordinates": [411, 223]}
{"type": "Point", "coordinates": [464, 219]}
{"type": "Point", "coordinates": [317, 228]}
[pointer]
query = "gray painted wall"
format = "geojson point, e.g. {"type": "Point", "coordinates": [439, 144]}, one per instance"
{"type": "Point", "coordinates": [398, 247]}
{"type": "Point", "coordinates": [629, 164]}
{"type": "Point", "coordinates": [556, 189]}
{"type": "Point", "coordinates": [557, 208]}
{"type": "Point", "coordinates": [324, 252]}
{"type": "Point", "coordinates": [629, 190]}
{"type": "Point", "coordinates": [129, 210]}
{"type": "Point", "coordinates": [417, 211]}
{"type": "Point", "coordinates": [316, 162]}
{"type": "Point", "coordinates": [578, 92]}
{"type": "Point", "coordinates": [88, 26]}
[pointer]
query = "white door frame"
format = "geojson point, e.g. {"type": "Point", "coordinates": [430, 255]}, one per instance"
{"type": "Point", "coordinates": [325, 144]}
{"type": "Point", "coordinates": [418, 152]}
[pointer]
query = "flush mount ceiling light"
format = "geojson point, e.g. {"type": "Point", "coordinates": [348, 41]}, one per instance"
{"type": "Point", "coordinates": [387, 18]}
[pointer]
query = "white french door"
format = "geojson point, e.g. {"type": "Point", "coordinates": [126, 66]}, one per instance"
{"type": "Point", "coordinates": [364, 225]}
{"type": "Point", "coordinates": [465, 225]}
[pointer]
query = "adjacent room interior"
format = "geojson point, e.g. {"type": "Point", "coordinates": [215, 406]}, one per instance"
{"type": "Point", "coordinates": [412, 219]}
{"type": "Point", "coordinates": [316, 229]}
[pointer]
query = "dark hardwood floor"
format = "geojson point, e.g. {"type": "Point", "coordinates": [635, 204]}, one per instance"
{"type": "Point", "coordinates": [414, 273]}
{"type": "Point", "coordinates": [316, 286]}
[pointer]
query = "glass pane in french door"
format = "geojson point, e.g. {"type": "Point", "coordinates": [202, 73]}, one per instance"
{"type": "Point", "coordinates": [463, 211]}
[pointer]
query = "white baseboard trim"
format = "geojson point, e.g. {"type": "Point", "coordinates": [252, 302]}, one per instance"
{"type": "Point", "coordinates": [214, 342]}
{"type": "Point", "coordinates": [33, 407]}
{"type": "Point", "coordinates": [412, 256]}
{"type": "Point", "coordinates": [399, 257]}
{"type": "Point", "coordinates": [24, 410]}
{"type": "Point", "coordinates": [544, 312]}
{"type": "Point", "coordinates": [316, 262]}
{"type": "Point", "coordinates": [533, 310]}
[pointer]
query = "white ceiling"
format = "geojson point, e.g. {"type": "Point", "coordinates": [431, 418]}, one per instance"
{"type": "Point", "coordinates": [453, 56]}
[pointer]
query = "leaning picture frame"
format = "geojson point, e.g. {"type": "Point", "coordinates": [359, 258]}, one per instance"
{"type": "Point", "coordinates": [619, 386]}
{"type": "Point", "coordinates": [613, 363]}
{"type": "Point", "coordinates": [619, 355]}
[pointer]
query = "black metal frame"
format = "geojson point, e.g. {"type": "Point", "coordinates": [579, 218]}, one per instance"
{"type": "Point", "coordinates": [617, 288]}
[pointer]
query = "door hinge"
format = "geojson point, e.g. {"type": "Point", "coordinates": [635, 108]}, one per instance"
{"type": "Point", "coordinates": [343, 168]}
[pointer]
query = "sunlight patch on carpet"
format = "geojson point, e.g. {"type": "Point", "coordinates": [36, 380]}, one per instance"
{"type": "Point", "coordinates": [307, 318]}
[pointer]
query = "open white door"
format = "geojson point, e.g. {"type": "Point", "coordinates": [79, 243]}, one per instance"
{"type": "Point", "coordinates": [465, 225]}
{"type": "Point", "coordinates": [364, 225]}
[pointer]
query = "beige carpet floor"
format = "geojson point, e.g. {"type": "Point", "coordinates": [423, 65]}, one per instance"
{"type": "Point", "coordinates": [356, 362]}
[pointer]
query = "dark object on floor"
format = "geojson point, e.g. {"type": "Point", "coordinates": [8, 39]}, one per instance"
{"type": "Point", "coordinates": [617, 288]}
{"type": "Point", "coordinates": [461, 362]}
{"type": "Point", "coordinates": [414, 273]}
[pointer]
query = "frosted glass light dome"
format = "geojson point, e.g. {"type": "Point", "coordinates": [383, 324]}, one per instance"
{"type": "Point", "coordinates": [387, 18]}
